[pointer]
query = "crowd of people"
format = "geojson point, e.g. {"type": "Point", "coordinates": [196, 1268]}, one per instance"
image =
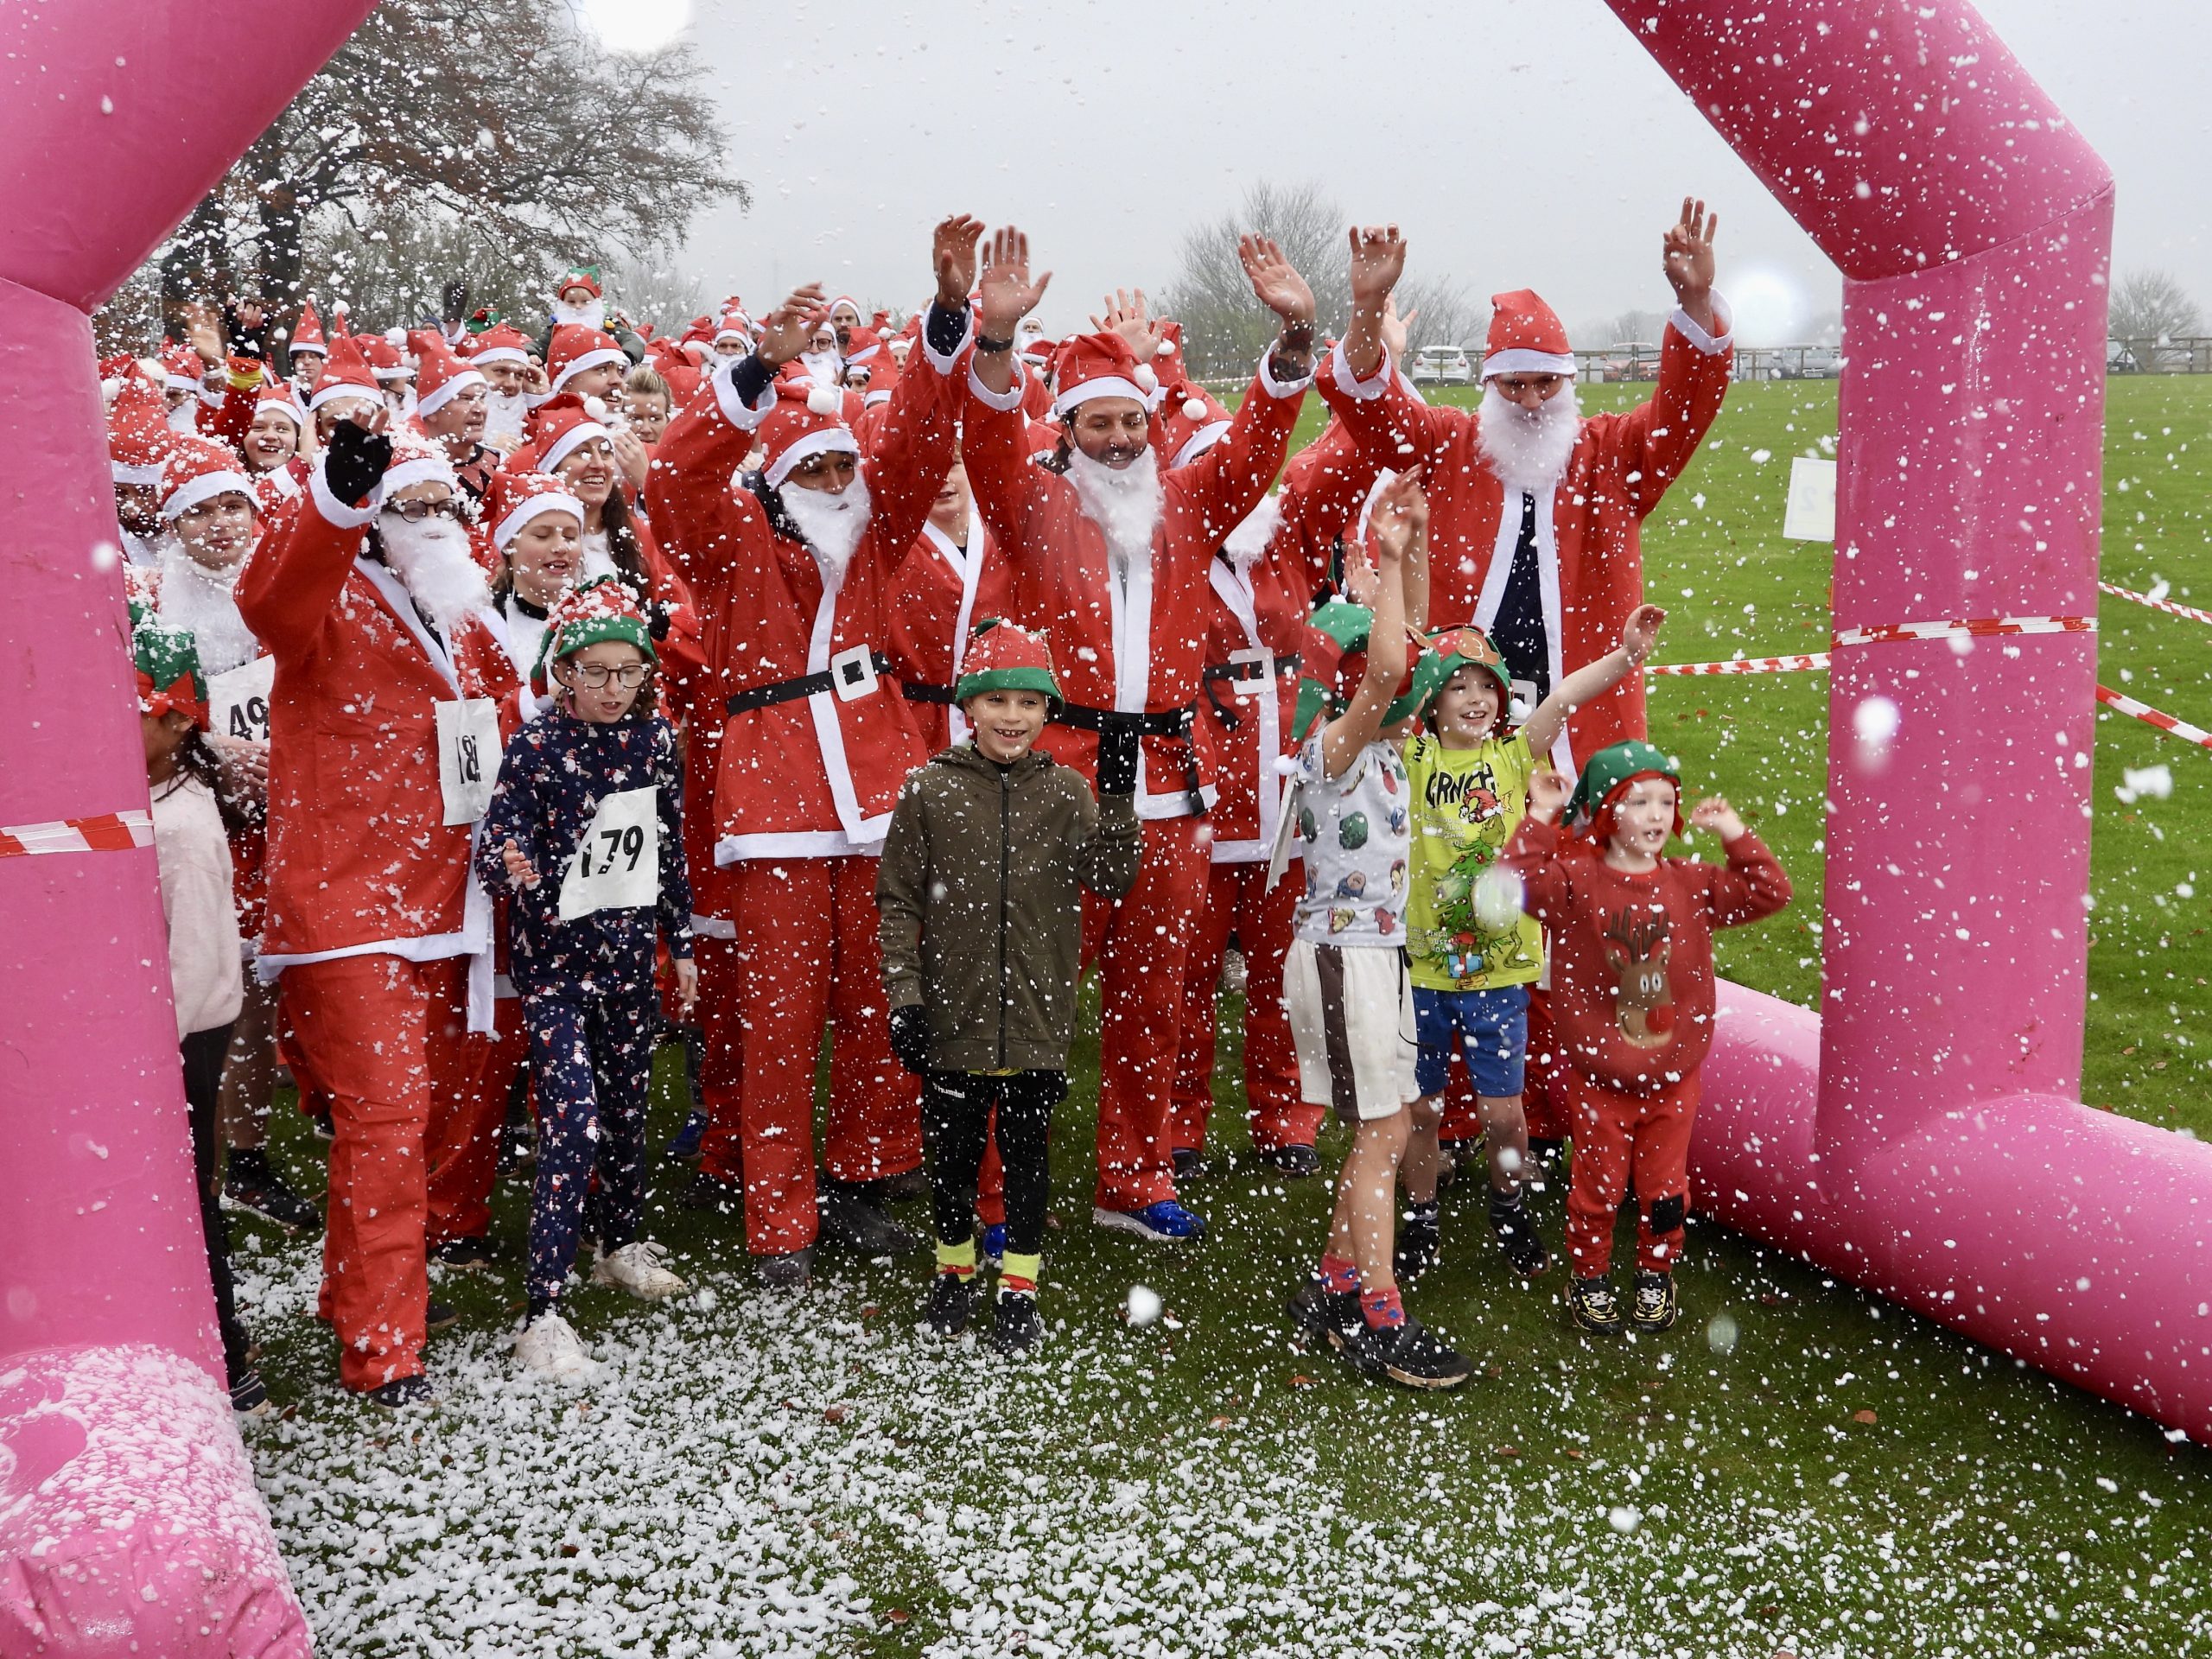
{"type": "Point", "coordinates": [516, 702]}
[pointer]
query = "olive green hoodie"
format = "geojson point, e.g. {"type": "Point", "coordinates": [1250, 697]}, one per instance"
{"type": "Point", "coordinates": [981, 895]}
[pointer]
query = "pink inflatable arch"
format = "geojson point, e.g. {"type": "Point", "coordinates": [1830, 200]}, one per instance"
{"type": "Point", "coordinates": [1923, 1134]}
{"type": "Point", "coordinates": [129, 1522]}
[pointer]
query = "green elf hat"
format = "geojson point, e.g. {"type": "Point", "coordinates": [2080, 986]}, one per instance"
{"type": "Point", "coordinates": [579, 276]}
{"type": "Point", "coordinates": [1002, 657]}
{"type": "Point", "coordinates": [590, 613]}
{"type": "Point", "coordinates": [1448, 651]}
{"type": "Point", "coordinates": [1332, 660]}
{"type": "Point", "coordinates": [169, 677]}
{"type": "Point", "coordinates": [1610, 772]}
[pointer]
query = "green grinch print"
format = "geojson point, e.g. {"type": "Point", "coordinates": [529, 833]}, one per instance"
{"type": "Point", "coordinates": [1351, 831]}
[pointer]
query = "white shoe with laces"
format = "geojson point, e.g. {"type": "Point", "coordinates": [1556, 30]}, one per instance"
{"type": "Point", "coordinates": [549, 1347]}
{"type": "Point", "coordinates": [637, 1268]}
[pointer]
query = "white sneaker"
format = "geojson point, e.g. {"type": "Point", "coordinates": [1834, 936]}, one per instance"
{"type": "Point", "coordinates": [637, 1268]}
{"type": "Point", "coordinates": [549, 1347]}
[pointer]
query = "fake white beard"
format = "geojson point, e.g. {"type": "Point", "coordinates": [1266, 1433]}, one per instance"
{"type": "Point", "coordinates": [503, 412]}
{"type": "Point", "coordinates": [1526, 451]}
{"type": "Point", "coordinates": [432, 562]}
{"type": "Point", "coordinates": [202, 601]}
{"type": "Point", "coordinates": [1249, 539]}
{"type": "Point", "coordinates": [825, 367]}
{"type": "Point", "coordinates": [1124, 503]}
{"type": "Point", "coordinates": [592, 314]}
{"type": "Point", "coordinates": [833, 525]}
{"type": "Point", "coordinates": [185, 418]}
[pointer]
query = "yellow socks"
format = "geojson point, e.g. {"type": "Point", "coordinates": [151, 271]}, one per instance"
{"type": "Point", "coordinates": [1018, 1274]}
{"type": "Point", "coordinates": [958, 1260]}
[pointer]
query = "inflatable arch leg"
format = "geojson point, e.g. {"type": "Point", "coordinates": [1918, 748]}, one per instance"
{"type": "Point", "coordinates": [129, 1522]}
{"type": "Point", "coordinates": [1923, 1134]}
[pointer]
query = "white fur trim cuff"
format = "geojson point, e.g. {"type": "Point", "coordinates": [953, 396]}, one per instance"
{"type": "Point", "coordinates": [1107, 385]}
{"type": "Point", "coordinates": [945, 365]}
{"type": "Point", "coordinates": [206, 487]}
{"type": "Point", "coordinates": [600, 358]}
{"type": "Point", "coordinates": [335, 512]}
{"type": "Point", "coordinates": [445, 394]}
{"type": "Point", "coordinates": [1351, 386]}
{"type": "Point", "coordinates": [742, 416]}
{"type": "Point", "coordinates": [1005, 402]}
{"type": "Point", "coordinates": [1521, 360]}
{"type": "Point", "coordinates": [1710, 344]}
{"type": "Point", "coordinates": [828, 439]}
{"type": "Point", "coordinates": [1275, 388]}
{"type": "Point", "coordinates": [568, 442]}
{"type": "Point", "coordinates": [530, 507]}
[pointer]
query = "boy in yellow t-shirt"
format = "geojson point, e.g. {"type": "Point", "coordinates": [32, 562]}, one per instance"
{"type": "Point", "coordinates": [1472, 951]}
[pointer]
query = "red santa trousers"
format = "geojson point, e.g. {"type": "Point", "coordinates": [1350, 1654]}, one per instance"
{"type": "Point", "coordinates": [370, 1033]}
{"type": "Point", "coordinates": [1238, 901]}
{"type": "Point", "coordinates": [808, 955]}
{"type": "Point", "coordinates": [1614, 1134]}
{"type": "Point", "coordinates": [465, 1126]}
{"type": "Point", "coordinates": [721, 1148]}
{"type": "Point", "coordinates": [1542, 1097]}
{"type": "Point", "coordinates": [1141, 941]}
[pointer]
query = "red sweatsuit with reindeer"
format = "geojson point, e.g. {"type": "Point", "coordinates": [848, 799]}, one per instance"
{"type": "Point", "coordinates": [1256, 620]}
{"type": "Point", "coordinates": [373, 923]}
{"type": "Point", "coordinates": [803, 789]}
{"type": "Point", "coordinates": [1587, 527]}
{"type": "Point", "coordinates": [1631, 1006]}
{"type": "Point", "coordinates": [1134, 648]}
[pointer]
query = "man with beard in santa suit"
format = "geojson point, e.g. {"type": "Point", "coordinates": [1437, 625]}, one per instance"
{"type": "Point", "coordinates": [1108, 554]}
{"type": "Point", "coordinates": [1534, 511]}
{"type": "Point", "coordinates": [789, 571]}
{"type": "Point", "coordinates": [383, 741]}
{"type": "Point", "coordinates": [501, 355]}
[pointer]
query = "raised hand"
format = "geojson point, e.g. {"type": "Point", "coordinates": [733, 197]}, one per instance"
{"type": "Point", "coordinates": [1275, 281]}
{"type": "Point", "coordinates": [785, 331]}
{"type": "Point", "coordinates": [631, 456]}
{"type": "Point", "coordinates": [203, 333]}
{"type": "Point", "coordinates": [1125, 315]}
{"type": "Point", "coordinates": [1400, 517]}
{"type": "Point", "coordinates": [1714, 813]}
{"type": "Point", "coordinates": [1395, 328]}
{"type": "Point", "coordinates": [952, 257]}
{"type": "Point", "coordinates": [1640, 633]}
{"type": "Point", "coordinates": [1549, 791]}
{"type": "Point", "coordinates": [1007, 294]}
{"type": "Point", "coordinates": [1378, 260]}
{"type": "Point", "coordinates": [1688, 259]}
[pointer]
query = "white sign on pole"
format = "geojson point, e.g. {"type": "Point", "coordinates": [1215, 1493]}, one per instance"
{"type": "Point", "coordinates": [1810, 516]}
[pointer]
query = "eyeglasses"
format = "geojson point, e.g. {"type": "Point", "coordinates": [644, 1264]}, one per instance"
{"type": "Point", "coordinates": [629, 676]}
{"type": "Point", "coordinates": [416, 512]}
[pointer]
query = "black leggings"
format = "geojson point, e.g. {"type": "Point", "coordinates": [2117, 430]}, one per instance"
{"type": "Point", "coordinates": [203, 1052]}
{"type": "Point", "coordinates": [956, 1116]}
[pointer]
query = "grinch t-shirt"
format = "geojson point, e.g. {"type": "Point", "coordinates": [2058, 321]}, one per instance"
{"type": "Point", "coordinates": [1352, 835]}
{"type": "Point", "coordinates": [1463, 932]}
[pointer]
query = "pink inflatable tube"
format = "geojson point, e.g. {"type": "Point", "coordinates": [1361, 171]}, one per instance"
{"type": "Point", "coordinates": [1923, 1137]}
{"type": "Point", "coordinates": [129, 1520]}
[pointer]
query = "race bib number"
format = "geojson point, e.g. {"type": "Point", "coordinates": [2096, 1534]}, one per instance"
{"type": "Point", "coordinates": [237, 702]}
{"type": "Point", "coordinates": [617, 865]}
{"type": "Point", "coordinates": [468, 756]}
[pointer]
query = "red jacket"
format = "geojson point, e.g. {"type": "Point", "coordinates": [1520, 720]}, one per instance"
{"type": "Point", "coordinates": [360, 854]}
{"type": "Point", "coordinates": [1062, 581]}
{"type": "Point", "coordinates": [940, 594]}
{"type": "Point", "coordinates": [1588, 524]}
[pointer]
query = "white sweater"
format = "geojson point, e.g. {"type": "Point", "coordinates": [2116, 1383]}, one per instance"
{"type": "Point", "coordinates": [203, 920]}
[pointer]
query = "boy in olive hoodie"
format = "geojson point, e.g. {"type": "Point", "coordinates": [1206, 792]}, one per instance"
{"type": "Point", "coordinates": [981, 895]}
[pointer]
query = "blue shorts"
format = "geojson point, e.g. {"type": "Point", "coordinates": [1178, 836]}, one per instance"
{"type": "Point", "coordinates": [1492, 1028]}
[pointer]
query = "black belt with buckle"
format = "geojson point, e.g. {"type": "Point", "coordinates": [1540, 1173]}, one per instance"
{"type": "Point", "coordinates": [802, 685]}
{"type": "Point", "coordinates": [1165, 723]}
{"type": "Point", "coordinates": [918, 691]}
{"type": "Point", "coordinates": [1240, 673]}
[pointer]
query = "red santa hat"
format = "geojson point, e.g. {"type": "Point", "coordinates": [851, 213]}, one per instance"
{"type": "Point", "coordinates": [882, 380]}
{"type": "Point", "coordinates": [1526, 337]}
{"type": "Point", "coordinates": [1168, 362]}
{"type": "Point", "coordinates": [1191, 422]}
{"type": "Point", "coordinates": [573, 350]}
{"type": "Point", "coordinates": [701, 333]}
{"type": "Point", "coordinates": [414, 461]}
{"type": "Point", "coordinates": [733, 325]}
{"type": "Point", "coordinates": [807, 420]}
{"type": "Point", "coordinates": [863, 345]}
{"type": "Point", "coordinates": [339, 312]}
{"type": "Point", "coordinates": [345, 374]}
{"type": "Point", "coordinates": [1099, 365]}
{"type": "Point", "coordinates": [197, 470]}
{"type": "Point", "coordinates": [285, 400]}
{"type": "Point", "coordinates": [501, 343]}
{"type": "Point", "coordinates": [382, 358]}
{"type": "Point", "coordinates": [849, 303]}
{"type": "Point", "coordinates": [439, 377]}
{"type": "Point", "coordinates": [137, 431]}
{"type": "Point", "coordinates": [555, 429]}
{"type": "Point", "coordinates": [182, 366]}
{"type": "Point", "coordinates": [307, 336]}
{"type": "Point", "coordinates": [516, 497]}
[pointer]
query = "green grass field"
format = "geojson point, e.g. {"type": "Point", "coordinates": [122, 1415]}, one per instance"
{"type": "Point", "coordinates": [1797, 1468]}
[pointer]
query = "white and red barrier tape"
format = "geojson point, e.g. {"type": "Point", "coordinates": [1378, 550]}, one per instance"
{"type": "Point", "coordinates": [2150, 716]}
{"type": "Point", "coordinates": [1746, 665]}
{"type": "Point", "coordinates": [2167, 605]}
{"type": "Point", "coordinates": [1979, 627]}
{"type": "Point", "coordinates": [105, 832]}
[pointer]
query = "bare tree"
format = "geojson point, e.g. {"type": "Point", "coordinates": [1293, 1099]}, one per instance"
{"type": "Point", "coordinates": [2150, 307]}
{"type": "Point", "coordinates": [655, 291]}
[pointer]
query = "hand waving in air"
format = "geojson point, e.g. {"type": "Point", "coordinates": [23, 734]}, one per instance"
{"type": "Point", "coordinates": [1714, 813]}
{"type": "Point", "coordinates": [1125, 315]}
{"type": "Point", "coordinates": [952, 257]}
{"type": "Point", "coordinates": [1378, 260]}
{"type": "Point", "coordinates": [1007, 294]}
{"type": "Point", "coordinates": [785, 331]}
{"type": "Point", "coordinates": [1275, 281]}
{"type": "Point", "coordinates": [1688, 259]}
{"type": "Point", "coordinates": [1640, 633]}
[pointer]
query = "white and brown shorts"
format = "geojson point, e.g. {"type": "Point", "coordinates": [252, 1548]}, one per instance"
{"type": "Point", "coordinates": [1351, 1016]}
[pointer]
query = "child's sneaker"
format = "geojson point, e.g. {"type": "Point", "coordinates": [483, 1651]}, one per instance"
{"type": "Point", "coordinates": [1326, 1316]}
{"type": "Point", "coordinates": [1592, 1306]}
{"type": "Point", "coordinates": [1164, 1223]}
{"type": "Point", "coordinates": [1516, 1236]}
{"type": "Point", "coordinates": [549, 1347]}
{"type": "Point", "coordinates": [402, 1392]}
{"type": "Point", "coordinates": [994, 1243]}
{"type": "Point", "coordinates": [790, 1271]}
{"type": "Point", "coordinates": [1189, 1161]}
{"type": "Point", "coordinates": [1656, 1307]}
{"type": "Point", "coordinates": [685, 1146]}
{"type": "Point", "coordinates": [637, 1268]}
{"type": "Point", "coordinates": [1421, 1242]}
{"type": "Point", "coordinates": [1297, 1160]}
{"type": "Point", "coordinates": [249, 1395]}
{"type": "Point", "coordinates": [438, 1316]}
{"type": "Point", "coordinates": [467, 1254]}
{"type": "Point", "coordinates": [850, 1218]}
{"type": "Point", "coordinates": [1407, 1353]}
{"type": "Point", "coordinates": [1016, 1327]}
{"type": "Point", "coordinates": [951, 1303]}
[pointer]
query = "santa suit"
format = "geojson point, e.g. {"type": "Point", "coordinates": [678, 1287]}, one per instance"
{"type": "Point", "coordinates": [1137, 646]}
{"type": "Point", "coordinates": [816, 742]}
{"type": "Point", "coordinates": [1260, 596]}
{"type": "Point", "coordinates": [943, 590]}
{"type": "Point", "coordinates": [373, 922]}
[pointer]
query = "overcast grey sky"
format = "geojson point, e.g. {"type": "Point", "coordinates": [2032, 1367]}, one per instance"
{"type": "Point", "coordinates": [1519, 142]}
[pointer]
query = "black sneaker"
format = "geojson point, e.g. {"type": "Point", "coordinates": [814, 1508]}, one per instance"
{"type": "Point", "coordinates": [790, 1271]}
{"type": "Point", "coordinates": [1189, 1161]}
{"type": "Point", "coordinates": [1016, 1327]}
{"type": "Point", "coordinates": [439, 1317]}
{"type": "Point", "coordinates": [951, 1303]}
{"type": "Point", "coordinates": [1326, 1316]}
{"type": "Point", "coordinates": [1297, 1160]}
{"type": "Point", "coordinates": [249, 1395]}
{"type": "Point", "coordinates": [703, 1192]}
{"type": "Point", "coordinates": [897, 1189]}
{"type": "Point", "coordinates": [1407, 1353]}
{"type": "Point", "coordinates": [685, 1147]}
{"type": "Point", "coordinates": [251, 1182]}
{"type": "Point", "coordinates": [1592, 1306]}
{"type": "Point", "coordinates": [849, 1219]}
{"type": "Point", "coordinates": [402, 1392]}
{"type": "Point", "coordinates": [1420, 1244]}
{"type": "Point", "coordinates": [1656, 1307]}
{"type": "Point", "coordinates": [468, 1255]}
{"type": "Point", "coordinates": [1517, 1237]}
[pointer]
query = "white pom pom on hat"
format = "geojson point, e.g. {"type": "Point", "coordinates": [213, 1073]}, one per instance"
{"type": "Point", "coordinates": [1194, 409]}
{"type": "Point", "coordinates": [1145, 380]}
{"type": "Point", "coordinates": [824, 400]}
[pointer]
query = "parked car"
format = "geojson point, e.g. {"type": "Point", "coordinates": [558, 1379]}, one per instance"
{"type": "Point", "coordinates": [2119, 359]}
{"type": "Point", "coordinates": [1443, 365]}
{"type": "Point", "coordinates": [1822, 363]}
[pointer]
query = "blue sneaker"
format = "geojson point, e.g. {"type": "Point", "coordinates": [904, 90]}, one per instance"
{"type": "Point", "coordinates": [685, 1146]}
{"type": "Point", "coordinates": [995, 1243]}
{"type": "Point", "coordinates": [1164, 1223]}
